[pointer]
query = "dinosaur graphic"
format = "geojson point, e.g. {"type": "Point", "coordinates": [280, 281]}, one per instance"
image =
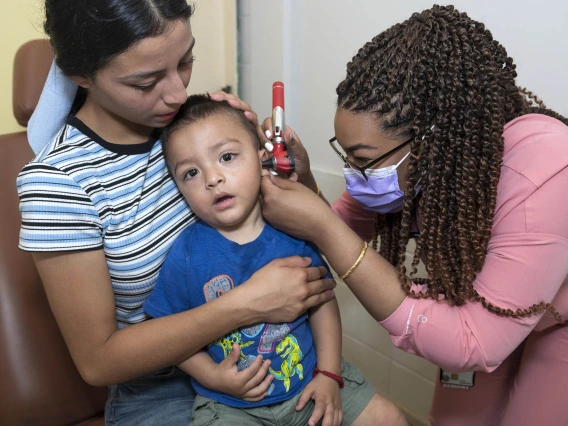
{"type": "Point", "coordinates": [289, 349]}
{"type": "Point", "coordinates": [227, 343]}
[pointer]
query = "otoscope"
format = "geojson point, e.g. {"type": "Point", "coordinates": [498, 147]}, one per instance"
{"type": "Point", "coordinates": [282, 160]}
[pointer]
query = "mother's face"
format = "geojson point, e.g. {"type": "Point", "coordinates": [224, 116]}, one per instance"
{"type": "Point", "coordinates": [362, 140]}
{"type": "Point", "coordinates": [146, 85]}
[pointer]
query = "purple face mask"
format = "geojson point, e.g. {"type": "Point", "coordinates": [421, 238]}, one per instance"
{"type": "Point", "coordinates": [381, 192]}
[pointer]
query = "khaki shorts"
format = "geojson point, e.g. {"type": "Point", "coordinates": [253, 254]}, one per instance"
{"type": "Point", "coordinates": [354, 398]}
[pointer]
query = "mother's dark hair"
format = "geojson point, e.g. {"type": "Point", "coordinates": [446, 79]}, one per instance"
{"type": "Point", "coordinates": [87, 34]}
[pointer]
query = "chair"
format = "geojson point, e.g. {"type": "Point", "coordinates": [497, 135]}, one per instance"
{"type": "Point", "coordinates": [39, 384]}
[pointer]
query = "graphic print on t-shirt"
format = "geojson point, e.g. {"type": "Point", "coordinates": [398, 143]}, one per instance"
{"type": "Point", "coordinates": [217, 286]}
{"type": "Point", "coordinates": [275, 338]}
{"type": "Point", "coordinates": [203, 265]}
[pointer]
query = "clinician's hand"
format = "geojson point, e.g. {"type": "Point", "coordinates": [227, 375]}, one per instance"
{"type": "Point", "coordinates": [236, 103]}
{"type": "Point", "coordinates": [295, 146]}
{"type": "Point", "coordinates": [294, 209]}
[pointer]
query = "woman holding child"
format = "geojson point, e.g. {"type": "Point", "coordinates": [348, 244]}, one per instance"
{"type": "Point", "coordinates": [439, 144]}
{"type": "Point", "coordinates": [100, 212]}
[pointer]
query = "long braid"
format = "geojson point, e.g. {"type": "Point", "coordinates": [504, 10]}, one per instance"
{"type": "Point", "coordinates": [442, 68]}
{"type": "Point", "coordinates": [532, 98]}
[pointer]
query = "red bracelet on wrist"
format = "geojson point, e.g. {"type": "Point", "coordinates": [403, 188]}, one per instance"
{"type": "Point", "coordinates": [335, 377]}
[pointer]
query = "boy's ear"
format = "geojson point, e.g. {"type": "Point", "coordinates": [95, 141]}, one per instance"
{"type": "Point", "coordinates": [82, 81]}
{"type": "Point", "coordinates": [262, 154]}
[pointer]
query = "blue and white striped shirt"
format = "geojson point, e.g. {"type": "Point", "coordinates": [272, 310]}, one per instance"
{"type": "Point", "coordinates": [84, 193]}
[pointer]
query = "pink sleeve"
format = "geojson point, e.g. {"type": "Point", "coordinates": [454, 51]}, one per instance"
{"type": "Point", "coordinates": [527, 262]}
{"type": "Point", "coordinates": [355, 216]}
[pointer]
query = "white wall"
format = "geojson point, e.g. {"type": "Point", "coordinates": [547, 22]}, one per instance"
{"type": "Point", "coordinates": [307, 44]}
{"type": "Point", "coordinates": [260, 55]}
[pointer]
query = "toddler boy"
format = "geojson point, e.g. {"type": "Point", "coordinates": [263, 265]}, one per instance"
{"type": "Point", "coordinates": [214, 155]}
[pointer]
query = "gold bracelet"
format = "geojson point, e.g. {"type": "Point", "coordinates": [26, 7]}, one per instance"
{"type": "Point", "coordinates": [319, 190]}
{"type": "Point", "coordinates": [357, 262]}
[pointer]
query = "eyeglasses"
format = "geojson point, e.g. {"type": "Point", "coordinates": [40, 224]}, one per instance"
{"type": "Point", "coordinates": [338, 150]}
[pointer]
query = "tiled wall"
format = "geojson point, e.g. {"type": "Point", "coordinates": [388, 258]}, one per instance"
{"type": "Point", "coordinates": [404, 378]}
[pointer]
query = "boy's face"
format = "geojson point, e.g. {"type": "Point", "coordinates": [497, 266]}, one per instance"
{"type": "Point", "coordinates": [217, 167]}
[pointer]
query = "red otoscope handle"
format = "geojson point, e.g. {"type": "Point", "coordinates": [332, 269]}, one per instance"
{"type": "Point", "coordinates": [282, 160]}
{"type": "Point", "coordinates": [278, 95]}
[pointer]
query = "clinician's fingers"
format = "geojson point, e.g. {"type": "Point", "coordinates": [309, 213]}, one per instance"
{"type": "Point", "coordinates": [267, 126]}
{"type": "Point", "coordinates": [265, 134]}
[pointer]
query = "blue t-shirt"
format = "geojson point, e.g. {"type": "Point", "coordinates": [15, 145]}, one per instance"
{"type": "Point", "coordinates": [201, 266]}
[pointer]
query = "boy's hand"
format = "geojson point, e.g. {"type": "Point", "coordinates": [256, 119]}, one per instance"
{"type": "Point", "coordinates": [325, 392]}
{"type": "Point", "coordinates": [250, 385]}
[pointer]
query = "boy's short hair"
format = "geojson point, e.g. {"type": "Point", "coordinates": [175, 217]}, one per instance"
{"type": "Point", "coordinates": [200, 107]}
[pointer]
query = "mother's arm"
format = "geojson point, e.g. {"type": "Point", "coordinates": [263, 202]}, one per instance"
{"type": "Point", "coordinates": [79, 291]}
{"type": "Point", "coordinates": [520, 270]}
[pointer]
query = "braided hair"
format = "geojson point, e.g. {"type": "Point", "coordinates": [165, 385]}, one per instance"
{"type": "Point", "coordinates": [442, 76]}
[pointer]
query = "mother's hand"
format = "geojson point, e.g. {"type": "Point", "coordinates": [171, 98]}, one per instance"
{"type": "Point", "coordinates": [236, 103]}
{"type": "Point", "coordinates": [294, 208]}
{"type": "Point", "coordinates": [283, 290]}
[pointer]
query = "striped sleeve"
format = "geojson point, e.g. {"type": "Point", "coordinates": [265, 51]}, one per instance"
{"type": "Point", "coordinates": [57, 213]}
